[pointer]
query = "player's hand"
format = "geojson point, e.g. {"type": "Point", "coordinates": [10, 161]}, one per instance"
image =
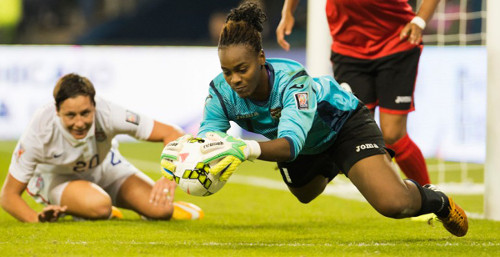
{"type": "Point", "coordinates": [51, 213]}
{"type": "Point", "coordinates": [232, 151]}
{"type": "Point", "coordinates": [412, 33]}
{"type": "Point", "coordinates": [284, 29]}
{"type": "Point", "coordinates": [163, 192]}
{"type": "Point", "coordinates": [170, 154]}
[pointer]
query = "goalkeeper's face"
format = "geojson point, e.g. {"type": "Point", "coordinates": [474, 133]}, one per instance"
{"type": "Point", "coordinates": [244, 71]}
{"type": "Point", "coordinates": [77, 115]}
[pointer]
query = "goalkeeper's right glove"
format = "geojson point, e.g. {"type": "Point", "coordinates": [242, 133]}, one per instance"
{"type": "Point", "coordinates": [170, 154]}
{"type": "Point", "coordinates": [232, 150]}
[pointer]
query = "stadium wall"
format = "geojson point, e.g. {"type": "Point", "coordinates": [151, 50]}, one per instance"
{"type": "Point", "coordinates": [171, 83]}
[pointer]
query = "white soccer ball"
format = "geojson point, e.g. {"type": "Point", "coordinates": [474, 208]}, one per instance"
{"type": "Point", "coordinates": [191, 175]}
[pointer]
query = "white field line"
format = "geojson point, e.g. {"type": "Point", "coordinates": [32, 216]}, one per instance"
{"type": "Point", "coordinates": [340, 187]}
{"type": "Point", "coordinates": [454, 166]}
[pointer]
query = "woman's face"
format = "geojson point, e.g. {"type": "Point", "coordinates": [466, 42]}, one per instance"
{"type": "Point", "coordinates": [77, 115]}
{"type": "Point", "coordinates": [242, 69]}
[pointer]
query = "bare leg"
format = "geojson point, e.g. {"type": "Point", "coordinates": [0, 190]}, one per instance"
{"type": "Point", "coordinates": [87, 200]}
{"type": "Point", "coordinates": [408, 154]}
{"type": "Point", "coordinates": [307, 193]}
{"type": "Point", "coordinates": [393, 126]}
{"type": "Point", "coordinates": [383, 188]}
{"type": "Point", "coordinates": [134, 194]}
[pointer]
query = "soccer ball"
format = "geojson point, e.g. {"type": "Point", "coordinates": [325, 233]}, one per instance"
{"type": "Point", "coordinates": [191, 175]}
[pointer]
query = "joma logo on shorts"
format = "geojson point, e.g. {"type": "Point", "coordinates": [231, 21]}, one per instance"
{"type": "Point", "coordinates": [403, 99]}
{"type": "Point", "coordinates": [366, 146]}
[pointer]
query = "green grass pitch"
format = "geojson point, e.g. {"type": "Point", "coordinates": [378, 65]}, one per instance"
{"type": "Point", "coordinates": [246, 220]}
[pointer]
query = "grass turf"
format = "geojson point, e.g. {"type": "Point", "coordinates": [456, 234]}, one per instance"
{"type": "Point", "coordinates": [245, 220]}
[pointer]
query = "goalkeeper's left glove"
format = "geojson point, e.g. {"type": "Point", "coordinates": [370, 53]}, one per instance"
{"type": "Point", "coordinates": [232, 150]}
{"type": "Point", "coordinates": [170, 154]}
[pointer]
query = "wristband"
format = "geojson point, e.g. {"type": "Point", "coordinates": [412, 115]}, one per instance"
{"type": "Point", "coordinates": [253, 149]}
{"type": "Point", "coordinates": [419, 22]}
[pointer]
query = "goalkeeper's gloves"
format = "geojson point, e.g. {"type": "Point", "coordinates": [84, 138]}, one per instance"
{"type": "Point", "coordinates": [170, 154]}
{"type": "Point", "coordinates": [232, 150]}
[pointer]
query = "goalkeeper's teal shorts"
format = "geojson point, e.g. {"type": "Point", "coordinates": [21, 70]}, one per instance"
{"type": "Point", "coordinates": [359, 138]}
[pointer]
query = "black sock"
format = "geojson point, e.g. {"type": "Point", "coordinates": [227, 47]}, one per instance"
{"type": "Point", "coordinates": [433, 202]}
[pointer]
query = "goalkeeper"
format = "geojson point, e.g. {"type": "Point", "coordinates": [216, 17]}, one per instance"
{"type": "Point", "coordinates": [316, 129]}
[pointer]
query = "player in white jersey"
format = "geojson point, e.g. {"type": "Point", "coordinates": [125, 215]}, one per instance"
{"type": "Point", "coordinates": [68, 160]}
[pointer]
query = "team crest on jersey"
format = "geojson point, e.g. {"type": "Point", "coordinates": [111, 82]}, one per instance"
{"type": "Point", "coordinates": [132, 117]}
{"type": "Point", "coordinates": [302, 100]}
{"type": "Point", "coordinates": [275, 113]}
{"type": "Point", "coordinates": [19, 151]}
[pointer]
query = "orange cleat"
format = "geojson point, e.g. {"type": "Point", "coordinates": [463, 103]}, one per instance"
{"type": "Point", "coordinates": [115, 213]}
{"type": "Point", "coordinates": [456, 222]}
{"type": "Point", "coordinates": [187, 211]}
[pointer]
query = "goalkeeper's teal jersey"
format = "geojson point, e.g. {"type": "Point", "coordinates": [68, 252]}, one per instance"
{"type": "Point", "coordinates": [306, 111]}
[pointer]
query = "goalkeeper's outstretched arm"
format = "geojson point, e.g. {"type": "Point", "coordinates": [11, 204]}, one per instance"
{"type": "Point", "coordinates": [235, 150]}
{"type": "Point", "coordinates": [276, 150]}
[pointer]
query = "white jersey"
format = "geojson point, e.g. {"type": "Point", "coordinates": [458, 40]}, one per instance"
{"type": "Point", "coordinates": [46, 146]}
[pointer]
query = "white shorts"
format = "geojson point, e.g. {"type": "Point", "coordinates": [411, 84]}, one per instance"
{"type": "Point", "coordinates": [46, 187]}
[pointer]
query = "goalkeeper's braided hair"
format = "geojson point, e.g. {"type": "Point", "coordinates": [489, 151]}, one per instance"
{"type": "Point", "coordinates": [244, 25]}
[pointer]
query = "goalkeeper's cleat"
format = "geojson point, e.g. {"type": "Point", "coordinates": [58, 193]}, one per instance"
{"type": "Point", "coordinates": [115, 213]}
{"type": "Point", "coordinates": [456, 222]}
{"type": "Point", "coordinates": [187, 211]}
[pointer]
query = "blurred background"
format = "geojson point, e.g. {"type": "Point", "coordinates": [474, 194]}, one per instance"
{"type": "Point", "coordinates": [158, 56]}
{"type": "Point", "coordinates": [165, 22]}
{"type": "Point", "coordinates": [128, 22]}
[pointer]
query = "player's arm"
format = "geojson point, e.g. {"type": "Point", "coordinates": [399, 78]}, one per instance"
{"type": "Point", "coordinates": [413, 30]}
{"type": "Point", "coordinates": [13, 203]}
{"type": "Point", "coordinates": [286, 23]}
{"type": "Point", "coordinates": [232, 151]}
{"type": "Point", "coordinates": [214, 116]}
{"type": "Point", "coordinates": [139, 126]}
{"type": "Point", "coordinates": [297, 116]}
{"type": "Point", "coordinates": [164, 133]}
{"type": "Point", "coordinates": [22, 166]}
{"type": "Point", "coordinates": [142, 127]}
{"type": "Point", "coordinates": [276, 150]}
